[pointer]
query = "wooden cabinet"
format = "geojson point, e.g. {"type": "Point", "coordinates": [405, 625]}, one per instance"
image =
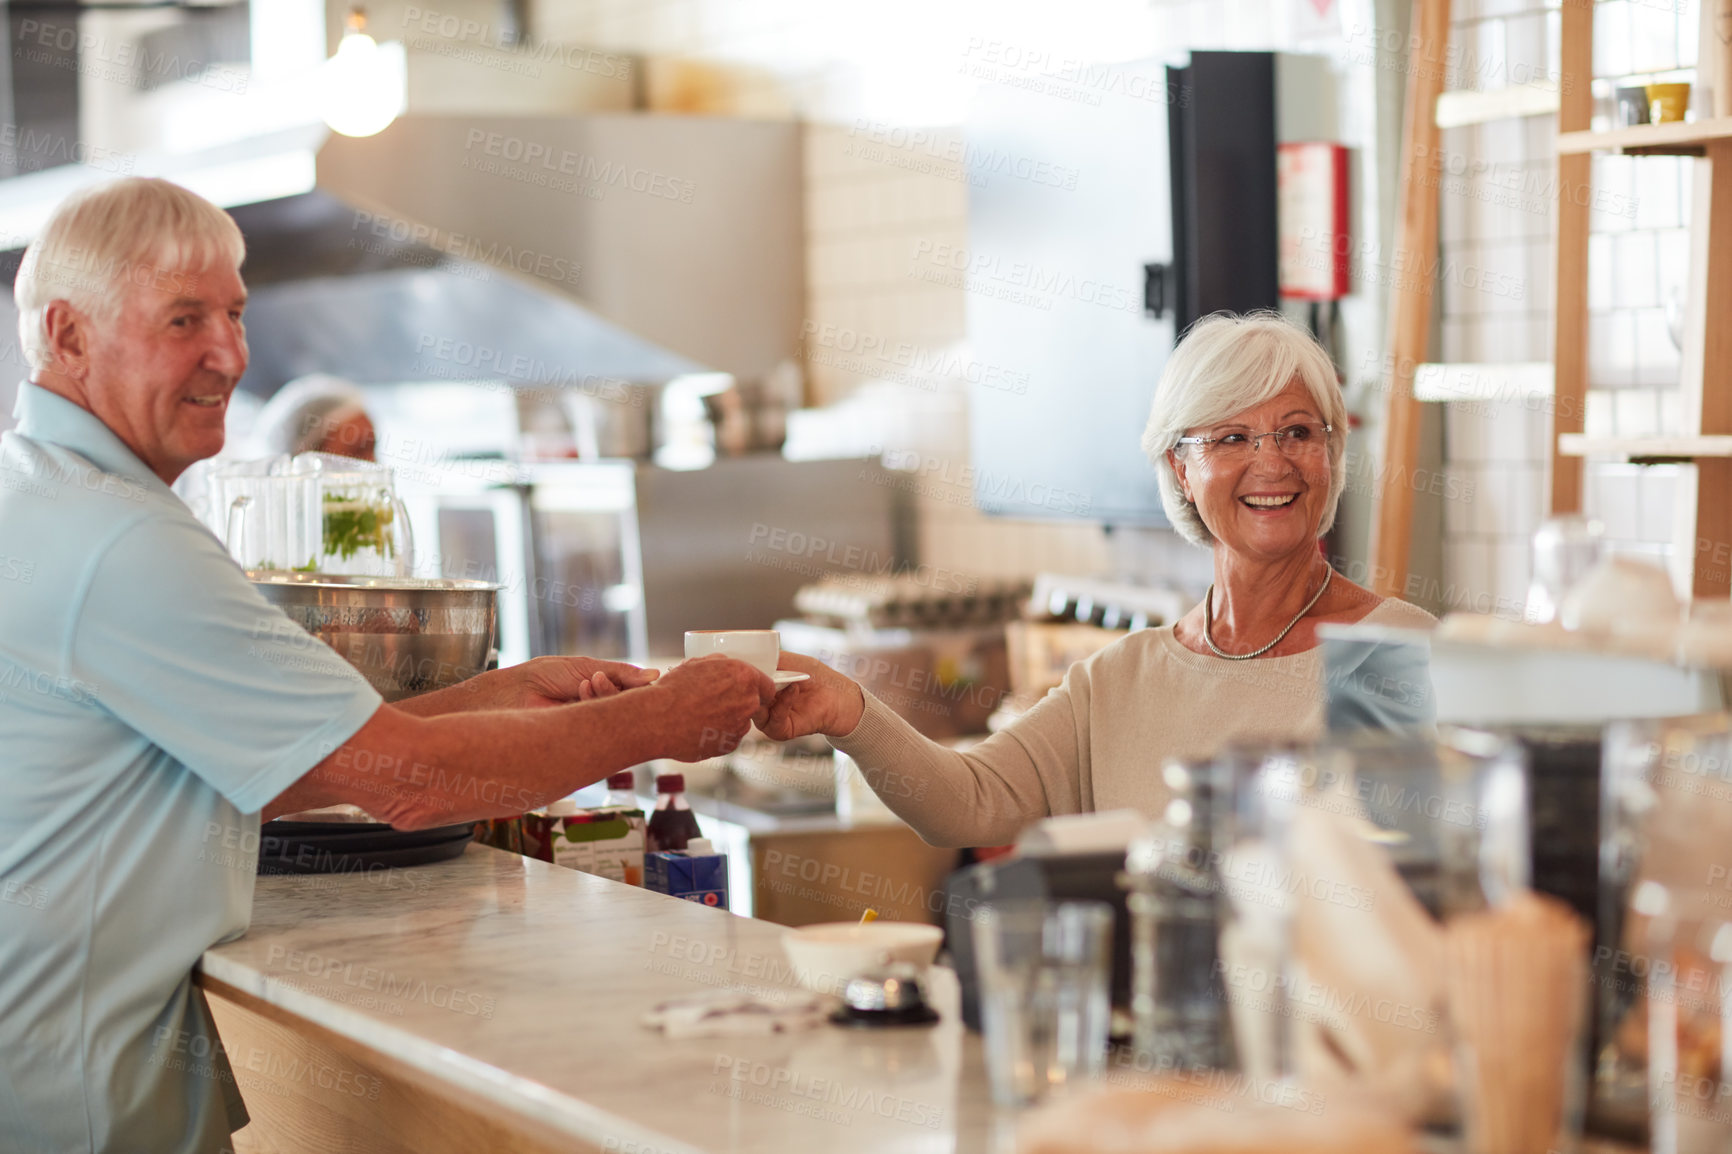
{"type": "Point", "coordinates": [802, 878]}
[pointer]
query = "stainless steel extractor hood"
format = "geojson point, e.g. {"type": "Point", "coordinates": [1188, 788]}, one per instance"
{"type": "Point", "coordinates": [684, 230]}
{"type": "Point", "coordinates": [339, 290]}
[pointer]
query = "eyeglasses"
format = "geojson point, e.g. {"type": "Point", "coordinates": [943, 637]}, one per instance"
{"type": "Point", "coordinates": [1296, 441]}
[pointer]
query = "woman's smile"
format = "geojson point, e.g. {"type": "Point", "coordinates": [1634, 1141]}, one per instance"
{"type": "Point", "coordinates": [1269, 502]}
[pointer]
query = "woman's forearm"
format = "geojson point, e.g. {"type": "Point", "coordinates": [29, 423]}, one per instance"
{"type": "Point", "coordinates": [984, 797]}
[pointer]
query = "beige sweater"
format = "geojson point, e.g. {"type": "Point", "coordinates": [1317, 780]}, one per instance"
{"type": "Point", "coordinates": [1098, 741]}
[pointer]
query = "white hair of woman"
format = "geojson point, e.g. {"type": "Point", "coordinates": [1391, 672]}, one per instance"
{"type": "Point", "coordinates": [109, 239]}
{"type": "Point", "coordinates": [301, 414]}
{"type": "Point", "coordinates": [1222, 366]}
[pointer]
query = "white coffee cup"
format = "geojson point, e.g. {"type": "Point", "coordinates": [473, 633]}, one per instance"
{"type": "Point", "coordinates": [758, 648]}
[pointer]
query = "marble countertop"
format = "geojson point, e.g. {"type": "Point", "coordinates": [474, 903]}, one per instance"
{"type": "Point", "coordinates": [524, 983]}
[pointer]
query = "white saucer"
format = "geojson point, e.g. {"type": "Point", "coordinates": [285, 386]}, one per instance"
{"type": "Point", "coordinates": [782, 677]}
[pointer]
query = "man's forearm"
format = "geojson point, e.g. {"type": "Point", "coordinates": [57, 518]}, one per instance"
{"type": "Point", "coordinates": [472, 693]}
{"type": "Point", "coordinates": [307, 793]}
{"type": "Point", "coordinates": [417, 772]}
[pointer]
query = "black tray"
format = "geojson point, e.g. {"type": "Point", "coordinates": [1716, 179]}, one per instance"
{"type": "Point", "coordinates": [353, 837]}
{"type": "Point", "coordinates": [380, 848]}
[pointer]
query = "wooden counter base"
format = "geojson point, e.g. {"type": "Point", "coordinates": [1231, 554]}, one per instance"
{"type": "Point", "coordinates": [310, 1091]}
{"type": "Point", "coordinates": [493, 1003]}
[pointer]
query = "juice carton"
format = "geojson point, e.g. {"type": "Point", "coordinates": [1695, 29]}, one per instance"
{"type": "Point", "coordinates": [696, 874]}
{"type": "Point", "coordinates": [606, 842]}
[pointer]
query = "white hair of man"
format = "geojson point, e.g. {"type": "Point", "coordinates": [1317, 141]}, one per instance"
{"type": "Point", "coordinates": [1225, 364]}
{"type": "Point", "coordinates": [105, 241]}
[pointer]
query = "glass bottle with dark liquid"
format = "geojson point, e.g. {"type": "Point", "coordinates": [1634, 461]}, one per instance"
{"type": "Point", "coordinates": [673, 824]}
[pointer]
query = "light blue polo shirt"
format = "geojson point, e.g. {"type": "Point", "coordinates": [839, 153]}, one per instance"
{"type": "Point", "coordinates": [151, 703]}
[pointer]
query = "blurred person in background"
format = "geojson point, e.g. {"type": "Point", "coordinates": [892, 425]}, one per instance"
{"type": "Point", "coordinates": [317, 413]}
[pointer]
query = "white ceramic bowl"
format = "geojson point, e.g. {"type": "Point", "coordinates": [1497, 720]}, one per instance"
{"type": "Point", "coordinates": [826, 955]}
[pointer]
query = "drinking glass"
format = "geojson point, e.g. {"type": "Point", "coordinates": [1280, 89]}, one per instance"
{"type": "Point", "coordinates": [1565, 548]}
{"type": "Point", "coordinates": [1044, 990]}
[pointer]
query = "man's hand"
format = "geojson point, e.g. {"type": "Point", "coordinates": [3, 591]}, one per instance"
{"type": "Point", "coordinates": [561, 680]}
{"type": "Point", "coordinates": [536, 684]}
{"type": "Point", "coordinates": [828, 703]}
{"type": "Point", "coordinates": [708, 706]}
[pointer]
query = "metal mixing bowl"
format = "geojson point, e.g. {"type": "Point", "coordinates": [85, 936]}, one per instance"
{"type": "Point", "coordinates": [407, 635]}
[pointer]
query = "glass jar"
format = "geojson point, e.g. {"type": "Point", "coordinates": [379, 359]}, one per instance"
{"type": "Point", "coordinates": [365, 526]}
{"type": "Point", "coordinates": [1254, 795]}
{"type": "Point", "coordinates": [1452, 813]}
{"type": "Point", "coordinates": [1178, 1006]}
{"type": "Point", "coordinates": [1665, 818]}
{"type": "Point", "coordinates": [1689, 997]}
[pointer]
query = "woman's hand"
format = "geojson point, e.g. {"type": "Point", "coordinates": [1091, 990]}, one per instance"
{"type": "Point", "coordinates": [828, 703]}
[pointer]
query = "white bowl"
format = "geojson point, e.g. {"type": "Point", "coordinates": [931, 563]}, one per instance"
{"type": "Point", "coordinates": [826, 955]}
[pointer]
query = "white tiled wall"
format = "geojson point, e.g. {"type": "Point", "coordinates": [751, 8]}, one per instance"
{"type": "Point", "coordinates": [1502, 219]}
{"type": "Point", "coordinates": [865, 213]}
{"type": "Point", "coordinates": [863, 217]}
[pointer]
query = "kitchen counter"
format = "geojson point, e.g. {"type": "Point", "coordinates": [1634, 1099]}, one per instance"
{"type": "Point", "coordinates": [492, 1002]}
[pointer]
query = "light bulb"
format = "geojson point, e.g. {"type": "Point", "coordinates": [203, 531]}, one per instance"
{"type": "Point", "coordinates": [363, 84]}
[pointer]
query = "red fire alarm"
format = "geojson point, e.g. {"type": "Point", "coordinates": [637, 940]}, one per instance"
{"type": "Point", "coordinates": [1311, 199]}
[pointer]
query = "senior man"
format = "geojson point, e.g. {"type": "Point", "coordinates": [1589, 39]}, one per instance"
{"type": "Point", "coordinates": [153, 705]}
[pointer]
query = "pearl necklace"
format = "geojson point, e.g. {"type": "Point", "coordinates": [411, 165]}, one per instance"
{"type": "Point", "coordinates": [1209, 621]}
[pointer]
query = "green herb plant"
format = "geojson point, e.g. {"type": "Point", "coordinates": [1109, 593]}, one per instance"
{"type": "Point", "coordinates": [351, 526]}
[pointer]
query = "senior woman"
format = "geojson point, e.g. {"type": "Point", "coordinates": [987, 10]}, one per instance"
{"type": "Point", "coordinates": [1247, 435]}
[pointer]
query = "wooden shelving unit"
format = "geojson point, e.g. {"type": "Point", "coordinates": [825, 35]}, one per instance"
{"type": "Point", "coordinates": [1645, 450]}
{"type": "Point", "coordinates": [1703, 530]}
{"type": "Point", "coordinates": [1680, 139]}
{"type": "Point", "coordinates": [1410, 300]}
{"type": "Point", "coordinates": [1467, 106]}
